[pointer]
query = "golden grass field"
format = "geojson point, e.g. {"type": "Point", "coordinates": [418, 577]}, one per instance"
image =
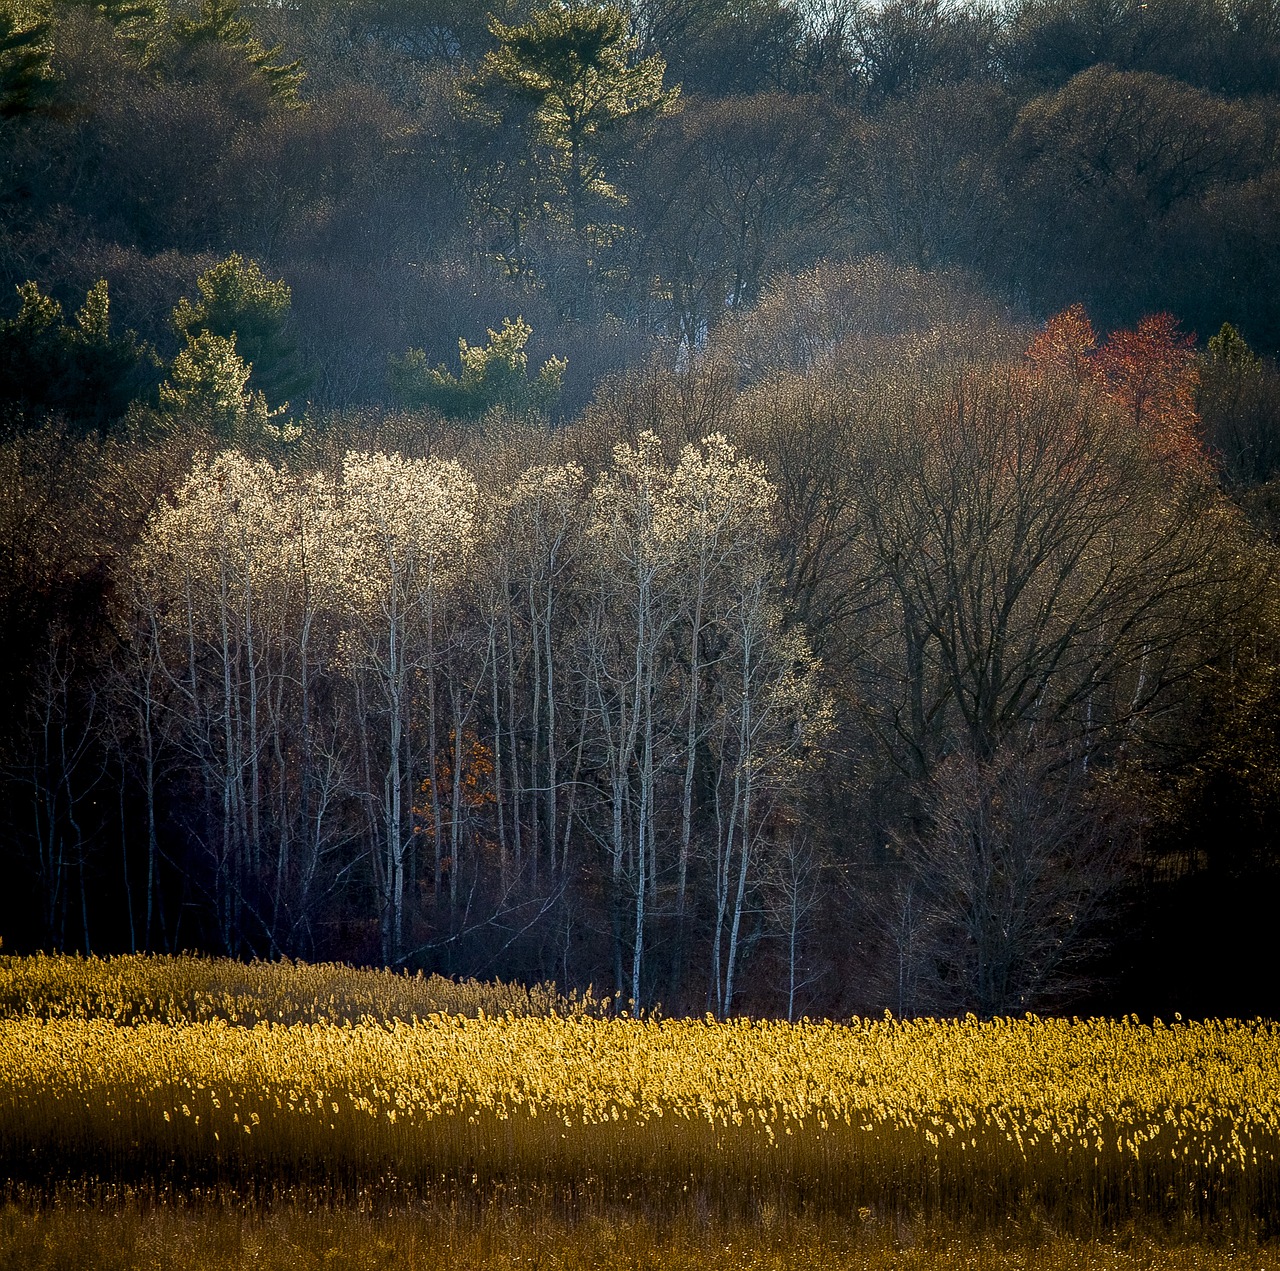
{"type": "Point", "coordinates": [140, 987]}
{"type": "Point", "coordinates": [179, 1078]}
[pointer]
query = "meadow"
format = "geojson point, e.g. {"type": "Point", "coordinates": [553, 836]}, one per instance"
{"type": "Point", "coordinates": [159, 1096]}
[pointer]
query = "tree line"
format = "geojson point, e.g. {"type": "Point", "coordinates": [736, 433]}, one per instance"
{"type": "Point", "coordinates": [719, 501]}
{"type": "Point", "coordinates": [881, 653]}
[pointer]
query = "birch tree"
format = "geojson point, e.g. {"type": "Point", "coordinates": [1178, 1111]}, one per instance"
{"type": "Point", "coordinates": [402, 538]}
{"type": "Point", "coordinates": [633, 607]}
{"type": "Point", "coordinates": [226, 599]}
{"type": "Point", "coordinates": [205, 558]}
{"type": "Point", "coordinates": [717, 507]}
{"type": "Point", "coordinates": [540, 528]}
{"type": "Point", "coordinates": [773, 712]}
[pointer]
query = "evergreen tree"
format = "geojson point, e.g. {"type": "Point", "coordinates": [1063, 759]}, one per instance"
{"type": "Point", "coordinates": [221, 22]}
{"type": "Point", "coordinates": [26, 77]}
{"type": "Point", "coordinates": [143, 25]}
{"type": "Point", "coordinates": [237, 301]}
{"type": "Point", "coordinates": [496, 374]}
{"type": "Point", "coordinates": [78, 370]}
{"type": "Point", "coordinates": [575, 64]}
{"type": "Point", "coordinates": [1230, 348]}
{"type": "Point", "coordinates": [208, 384]}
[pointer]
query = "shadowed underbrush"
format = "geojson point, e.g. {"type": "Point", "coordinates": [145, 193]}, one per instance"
{"type": "Point", "coordinates": [141, 1233]}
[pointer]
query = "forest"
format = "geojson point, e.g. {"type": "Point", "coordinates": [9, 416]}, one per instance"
{"type": "Point", "coordinates": [756, 507]}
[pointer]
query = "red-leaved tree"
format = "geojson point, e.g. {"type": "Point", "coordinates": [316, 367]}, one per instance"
{"type": "Point", "coordinates": [1149, 372]}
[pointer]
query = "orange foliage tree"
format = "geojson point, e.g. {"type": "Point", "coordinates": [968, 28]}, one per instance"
{"type": "Point", "coordinates": [1149, 372]}
{"type": "Point", "coordinates": [1067, 345]}
{"type": "Point", "coordinates": [463, 788]}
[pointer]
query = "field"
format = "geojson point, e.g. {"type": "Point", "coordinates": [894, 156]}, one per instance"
{"type": "Point", "coordinates": [322, 1110]}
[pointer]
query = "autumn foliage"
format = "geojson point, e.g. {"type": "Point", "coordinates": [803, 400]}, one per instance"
{"type": "Point", "coordinates": [462, 789]}
{"type": "Point", "coordinates": [1150, 373]}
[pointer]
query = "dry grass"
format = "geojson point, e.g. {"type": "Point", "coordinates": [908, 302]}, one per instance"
{"type": "Point", "coordinates": [131, 1071]}
{"type": "Point", "coordinates": [131, 989]}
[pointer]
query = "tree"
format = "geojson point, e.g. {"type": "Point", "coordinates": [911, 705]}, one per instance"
{"type": "Point", "coordinates": [27, 79]}
{"type": "Point", "coordinates": [493, 375]}
{"type": "Point", "coordinates": [1005, 877]}
{"type": "Point", "coordinates": [1002, 565]}
{"type": "Point", "coordinates": [1228, 49]}
{"type": "Point", "coordinates": [773, 714]}
{"type": "Point", "coordinates": [1238, 402]}
{"type": "Point", "coordinates": [929, 191]}
{"type": "Point", "coordinates": [632, 585]}
{"type": "Point", "coordinates": [693, 685]}
{"type": "Point", "coordinates": [208, 384]}
{"type": "Point", "coordinates": [740, 193]}
{"type": "Point", "coordinates": [719, 49]}
{"type": "Point", "coordinates": [1150, 373]}
{"type": "Point", "coordinates": [77, 369]}
{"type": "Point", "coordinates": [224, 596]}
{"type": "Point", "coordinates": [400, 550]}
{"type": "Point", "coordinates": [575, 64]}
{"type": "Point", "coordinates": [537, 534]}
{"type": "Point", "coordinates": [1066, 346]}
{"type": "Point", "coordinates": [239, 303]}
{"type": "Point", "coordinates": [1101, 168]}
{"type": "Point", "coordinates": [70, 502]}
{"type": "Point", "coordinates": [1044, 574]}
{"type": "Point", "coordinates": [905, 46]}
{"type": "Point", "coordinates": [749, 708]}
{"type": "Point", "coordinates": [840, 314]}
{"type": "Point", "coordinates": [793, 894]}
{"type": "Point", "coordinates": [221, 22]}
{"type": "Point", "coordinates": [62, 765]}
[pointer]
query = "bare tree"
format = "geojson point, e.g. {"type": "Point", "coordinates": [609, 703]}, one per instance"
{"type": "Point", "coordinates": [773, 711]}
{"type": "Point", "coordinates": [632, 610]}
{"type": "Point", "coordinates": [792, 895]}
{"type": "Point", "coordinates": [539, 537]}
{"type": "Point", "coordinates": [1032, 575]}
{"type": "Point", "coordinates": [1003, 884]}
{"type": "Point", "coordinates": [144, 727]}
{"type": "Point", "coordinates": [404, 541]}
{"type": "Point", "coordinates": [64, 763]}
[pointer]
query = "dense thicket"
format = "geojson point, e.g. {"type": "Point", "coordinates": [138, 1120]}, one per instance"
{"type": "Point", "coordinates": [605, 495]}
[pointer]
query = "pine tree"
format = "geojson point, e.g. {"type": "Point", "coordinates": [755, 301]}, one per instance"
{"type": "Point", "coordinates": [1230, 348]}
{"type": "Point", "coordinates": [238, 301]}
{"type": "Point", "coordinates": [208, 384]}
{"type": "Point", "coordinates": [496, 374]}
{"type": "Point", "coordinates": [221, 22]}
{"type": "Point", "coordinates": [78, 370]}
{"type": "Point", "coordinates": [575, 64]}
{"type": "Point", "coordinates": [27, 79]}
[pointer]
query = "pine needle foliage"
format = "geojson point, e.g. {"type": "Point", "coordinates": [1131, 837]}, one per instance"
{"type": "Point", "coordinates": [222, 22]}
{"type": "Point", "coordinates": [27, 79]}
{"type": "Point", "coordinates": [493, 375]}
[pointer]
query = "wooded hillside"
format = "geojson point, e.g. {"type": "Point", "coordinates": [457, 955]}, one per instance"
{"type": "Point", "coordinates": [754, 506]}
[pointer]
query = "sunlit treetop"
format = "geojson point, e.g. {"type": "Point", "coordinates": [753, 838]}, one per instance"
{"type": "Point", "coordinates": [1149, 373]}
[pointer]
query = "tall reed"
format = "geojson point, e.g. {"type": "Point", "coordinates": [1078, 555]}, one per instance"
{"type": "Point", "coordinates": [1094, 1122]}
